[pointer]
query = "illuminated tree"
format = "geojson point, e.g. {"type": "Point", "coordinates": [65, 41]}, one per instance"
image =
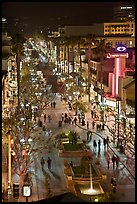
{"type": "Point", "coordinates": [17, 43]}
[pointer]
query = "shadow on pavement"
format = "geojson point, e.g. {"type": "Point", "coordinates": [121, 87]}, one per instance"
{"type": "Point", "coordinates": [55, 175]}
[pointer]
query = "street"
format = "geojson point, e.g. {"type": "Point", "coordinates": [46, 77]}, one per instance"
{"type": "Point", "coordinates": [56, 176]}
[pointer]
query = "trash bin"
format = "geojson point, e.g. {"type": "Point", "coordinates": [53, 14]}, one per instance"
{"type": "Point", "coordinates": [60, 123]}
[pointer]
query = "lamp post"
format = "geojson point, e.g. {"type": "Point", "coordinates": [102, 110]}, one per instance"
{"type": "Point", "coordinates": [119, 119]}
{"type": "Point", "coordinates": [76, 94]}
{"type": "Point", "coordinates": [9, 164]}
{"type": "Point", "coordinates": [118, 125]}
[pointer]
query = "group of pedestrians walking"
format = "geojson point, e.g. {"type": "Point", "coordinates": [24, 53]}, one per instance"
{"type": "Point", "coordinates": [43, 163]}
{"type": "Point", "coordinates": [53, 104]}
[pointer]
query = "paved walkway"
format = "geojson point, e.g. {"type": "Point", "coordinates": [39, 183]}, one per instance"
{"type": "Point", "coordinates": [56, 176]}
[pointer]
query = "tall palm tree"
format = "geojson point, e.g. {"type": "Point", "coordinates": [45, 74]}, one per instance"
{"type": "Point", "coordinates": [100, 52]}
{"type": "Point", "coordinates": [17, 43]}
{"type": "Point", "coordinates": [79, 41]}
{"type": "Point", "coordinates": [91, 43]}
{"type": "Point", "coordinates": [66, 43]}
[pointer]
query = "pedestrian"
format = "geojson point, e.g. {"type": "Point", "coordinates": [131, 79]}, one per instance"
{"type": "Point", "coordinates": [66, 115]}
{"type": "Point", "coordinates": [42, 162]}
{"type": "Point", "coordinates": [100, 127]}
{"type": "Point", "coordinates": [50, 133]}
{"type": "Point", "coordinates": [113, 183]}
{"type": "Point", "coordinates": [62, 117]}
{"type": "Point", "coordinates": [108, 161]}
{"type": "Point", "coordinates": [49, 163]}
{"type": "Point", "coordinates": [51, 104]}
{"type": "Point", "coordinates": [83, 122]}
{"type": "Point", "coordinates": [71, 164]}
{"type": "Point", "coordinates": [117, 161]}
{"type": "Point", "coordinates": [95, 115]}
{"type": "Point", "coordinates": [69, 120]}
{"type": "Point", "coordinates": [94, 144]}
{"type": "Point", "coordinates": [107, 141]}
{"type": "Point", "coordinates": [106, 117]}
{"type": "Point", "coordinates": [92, 113]}
{"type": "Point", "coordinates": [75, 120]}
{"type": "Point", "coordinates": [44, 118]}
{"type": "Point", "coordinates": [49, 118]}
{"type": "Point", "coordinates": [87, 124]}
{"type": "Point", "coordinates": [104, 141]}
{"type": "Point", "coordinates": [54, 104]}
{"type": "Point", "coordinates": [113, 160]}
{"type": "Point", "coordinates": [99, 144]}
{"type": "Point", "coordinates": [103, 126]}
{"type": "Point", "coordinates": [44, 128]}
{"type": "Point", "coordinates": [35, 116]}
{"type": "Point", "coordinates": [93, 124]}
{"type": "Point", "coordinates": [90, 135]}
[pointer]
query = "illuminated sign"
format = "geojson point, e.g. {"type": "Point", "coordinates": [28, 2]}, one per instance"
{"type": "Point", "coordinates": [121, 48]}
{"type": "Point", "coordinates": [117, 55]}
{"type": "Point", "coordinates": [126, 7]}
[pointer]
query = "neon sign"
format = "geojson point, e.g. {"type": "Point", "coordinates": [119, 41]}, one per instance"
{"type": "Point", "coordinates": [121, 48]}
{"type": "Point", "coordinates": [116, 55]}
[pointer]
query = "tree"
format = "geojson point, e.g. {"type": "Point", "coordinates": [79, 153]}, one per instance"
{"type": "Point", "coordinates": [73, 137]}
{"type": "Point", "coordinates": [91, 43]}
{"type": "Point", "coordinates": [99, 53]}
{"type": "Point", "coordinates": [17, 43]}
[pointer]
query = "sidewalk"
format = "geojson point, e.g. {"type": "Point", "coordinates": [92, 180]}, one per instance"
{"type": "Point", "coordinates": [56, 177]}
{"type": "Point", "coordinates": [112, 146]}
{"type": "Point", "coordinates": [125, 178]}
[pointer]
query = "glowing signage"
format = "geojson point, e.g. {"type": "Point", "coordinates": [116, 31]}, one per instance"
{"type": "Point", "coordinates": [121, 48]}
{"type": "Point", "coordinates": [109, 55]}
{"type": "Point", "coordinates": [126, 7]}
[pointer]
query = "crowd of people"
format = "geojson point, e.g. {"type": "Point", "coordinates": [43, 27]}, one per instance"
{"type": "Point", "coordinates": [65, 118]}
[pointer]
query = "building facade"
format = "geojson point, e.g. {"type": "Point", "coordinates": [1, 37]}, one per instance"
{"type": "Point", "coordinates": [124, 13]}
{"type": "Point", "coordinates": [114, 28]}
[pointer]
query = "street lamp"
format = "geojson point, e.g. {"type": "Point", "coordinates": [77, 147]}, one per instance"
{"type": "Point", "coordinates": [76, 94]}
{"type": "Point", "coordinates": [102, 107]}
{"type": "Point", "coordinates": [10, 141]}
{"type": "Point", "coordinates": [26, 191]}
{"type": "Point", "coordinates": [119, 119]}
{"type": "Point", "coordinates": [9, 163]}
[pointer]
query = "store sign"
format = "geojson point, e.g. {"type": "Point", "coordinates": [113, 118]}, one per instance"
{"type": "Point", "coordinates": [111, 103]}
{"type": "Point", "coordinates": [115, 55]}
{"type": "Point", "coordinates": [121, 48]}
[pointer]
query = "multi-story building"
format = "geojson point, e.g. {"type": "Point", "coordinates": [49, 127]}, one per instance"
{"type": "Point", "coordinates": [9, 74]}
{"type": "Point", "coordinates": [76, 30]}
{"type": "Point", "coordinates": [114, 40]}
{"type": "Point", "coordinates": [124, 13]}
{"type": "Point", "coordinates": [113, 28]}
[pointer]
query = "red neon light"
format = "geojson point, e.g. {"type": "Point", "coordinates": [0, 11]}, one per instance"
{"type": "Point", "coordinates": [117, 74]}
{"type": "Point", "coordinates": [113, 85]}
{"type": "Point", "coordinates": [129, 70]}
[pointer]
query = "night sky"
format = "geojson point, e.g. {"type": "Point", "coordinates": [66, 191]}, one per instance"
{"type": "Point", "coordinates": [59, 13]}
